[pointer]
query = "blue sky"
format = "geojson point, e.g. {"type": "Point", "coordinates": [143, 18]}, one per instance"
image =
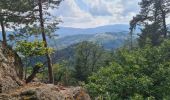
{"type": "Point", "coordinates": [93, 13]}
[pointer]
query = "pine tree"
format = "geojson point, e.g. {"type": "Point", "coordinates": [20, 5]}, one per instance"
{"type": "Point", "coordinates": [153, 12]}
{"type": "Point", "coordinates": [12, 12]}
{"type": "Point", "coordinates": [43, 6]}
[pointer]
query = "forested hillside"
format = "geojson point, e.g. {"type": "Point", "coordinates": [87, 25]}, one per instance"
{"type": "Point", "coordinates": [101, 50]}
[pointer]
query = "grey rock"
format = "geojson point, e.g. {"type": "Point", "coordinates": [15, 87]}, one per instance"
{"type": "Point", "coordinates": [12, 88]}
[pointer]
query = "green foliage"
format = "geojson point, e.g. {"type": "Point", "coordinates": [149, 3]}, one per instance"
{"type": "Point", "coordinates": [63, 73]}
{"type": "Point", "coordinates": [139, 74]}
{"type": "Point", "coordinates": [89, 57]}
{"type": "Point", "coordinates": [35, 48]}
{"type": "Point", "coordinates": [29, 50]}
{"type": "Point", "coordinates": [43, 75]}
{"type": "Point", "coordinates": [152, 33]}
{"type": "Point", "coordinates": [39, 64]}
{"type": "Point", "coordinates": [152, 18]}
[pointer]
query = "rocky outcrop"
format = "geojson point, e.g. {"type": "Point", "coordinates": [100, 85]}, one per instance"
{"type": "Point", "coordinates": [13, 88]}
{"type": "Point", "coordinates": [39, 91]}
{"type": "Point", "coordinates": [8, 75]}
{"type": "Point", "coordinates": [14, 60]}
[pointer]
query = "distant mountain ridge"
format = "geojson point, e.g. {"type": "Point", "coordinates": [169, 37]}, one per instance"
{"type": "Point", "coordinates": [109, 36]}
{"type": "Point", "coordinates": [68, 31]}
{"type": "Point", "coordinates": [109, 40]}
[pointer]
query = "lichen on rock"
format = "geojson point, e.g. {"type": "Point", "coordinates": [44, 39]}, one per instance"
{"type": "Point", "coordinates": [9, 78]}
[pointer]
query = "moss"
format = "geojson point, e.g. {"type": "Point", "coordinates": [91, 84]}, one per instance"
{"type": "Point", "coordinates": [29, 95]}
{"type": "Point", "coordinates": [28, 92]}
{"type": "Point", "coordinates": [33, 97]}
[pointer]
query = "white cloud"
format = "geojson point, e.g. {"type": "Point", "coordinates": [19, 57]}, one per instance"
{"type": "Point", "coordinates": [104, 7]}
{"type": "Point", "coordinates": [168, 20]}
{"type": "Point", "coordinates": [96, 12]}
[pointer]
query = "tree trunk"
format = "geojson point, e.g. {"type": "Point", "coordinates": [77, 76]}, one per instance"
{"type": "Point", "coordinates": [4, 41]}
{"type": "Point", "coordinates": [50, 72]}
{"type": "Point", "coordinates": [164, 24]}
{"type": "Point", "coordinates": [131, 39]}
{"type": "Point", "coordinates": [163, 14]}
{"type": "Point", "coordinates": [32, 76]}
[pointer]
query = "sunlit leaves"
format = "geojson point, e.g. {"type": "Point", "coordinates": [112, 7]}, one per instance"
{"type": "Point", "coordinates": [136, 75]}
{"type": "Point", "coordinates": [35, 48]}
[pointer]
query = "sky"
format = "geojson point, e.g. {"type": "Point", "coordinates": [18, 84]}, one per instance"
{"type": "Point", "coordinates": [93, 13]}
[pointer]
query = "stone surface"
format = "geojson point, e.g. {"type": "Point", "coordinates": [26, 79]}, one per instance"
{"type": "Point", "coordinates": [8, 75]}
{"type": "Point", "coordinates": [40, 91]}
{"type": "Point", "coordinates": [12, 88]}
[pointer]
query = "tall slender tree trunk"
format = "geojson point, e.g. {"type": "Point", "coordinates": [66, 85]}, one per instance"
{"type": "Point", "coordinates": [4, 41]}
{"type": "Point", "coordinates": [163, 15]}
{"type": "Point", "coordinates": [50, 72]}
{"type": "Point", "coordinates": [131, 39]}
{"type": "Point", "coordinates": [164, 24]}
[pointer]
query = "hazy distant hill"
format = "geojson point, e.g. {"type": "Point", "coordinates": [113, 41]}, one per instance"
{"type": "Point", "coordinates": [108, 40]}
{"type": "Point", "coordinates": [66, 45]}
{"type": "Point", "coordinates": [68, 31]}
{"type": "Point", "coordinates": [109, 36]}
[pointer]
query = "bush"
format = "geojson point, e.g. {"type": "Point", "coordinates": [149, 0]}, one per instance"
{"type": "Point", "coordinates": [137, 75]}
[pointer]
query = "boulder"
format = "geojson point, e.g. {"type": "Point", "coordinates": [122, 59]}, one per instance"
{"type": "Point", "coordinates": [9, 78]}
{"type": "Point", "coordinates": [40, 91]}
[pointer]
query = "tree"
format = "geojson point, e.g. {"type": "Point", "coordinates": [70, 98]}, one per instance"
{"type": "Point", "coordinates": [50, 73]}
{"type": "Point", "coordinates": [36, 69]}
{"type": "Point", "coordinates": [139, 74]}
{"type": "Point", "coordinates": [153, 13]}
{"type": "Point", "coordinates": [88, 58]}
{"type": "Point", "coordinates": [14, 12]}
{"type": "Point", "coordinates": [164, 7]}
{"type": "Point", "coordinates": [47, 25]}
{"type": "Point", "coordinates": [64, 74]}
{"type": "Point", "coordinates": [150, 33]}
{"type": "Point", "coordinates": [29, 50]}
{"type": "Point", "coordinates": [25, 11]}
{"type": "Point", "coordinates": [40, 5]}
